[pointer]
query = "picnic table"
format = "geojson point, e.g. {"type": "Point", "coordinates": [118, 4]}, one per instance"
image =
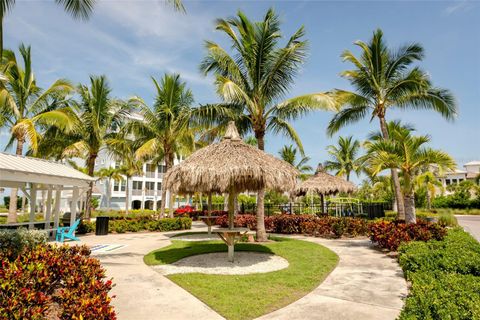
{"type": "Point", "coordinates": [230, 236]}
{"type": "Point", "coordinates": [209, 219]}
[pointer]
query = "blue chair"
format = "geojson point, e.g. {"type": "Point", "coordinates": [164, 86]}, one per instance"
{"type": "Point", "coordinates": [67, 232]}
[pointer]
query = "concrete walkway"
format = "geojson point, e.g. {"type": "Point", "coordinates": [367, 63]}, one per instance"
{"type": "Point", "coordinates": [365, 285]}
{"type": "Point", "coordinates": [471, 224]}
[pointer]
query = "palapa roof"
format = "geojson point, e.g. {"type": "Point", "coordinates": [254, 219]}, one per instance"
{"type": "Point", "coordinates": [324, 183]}
{"type": "Point", "coordinates": [230, 163]}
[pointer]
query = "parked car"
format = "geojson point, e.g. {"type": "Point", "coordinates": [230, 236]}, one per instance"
{"type": "Point", "coordinates": [184, 209]}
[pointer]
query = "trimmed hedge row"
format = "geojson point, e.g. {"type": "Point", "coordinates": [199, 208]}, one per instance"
{"type": "Point", "coordinates": [41, 281]}
{"type": "Point", "coordinates": [139, 224]}
{"type": "Point", "coordinates": [304, 224]}
{"type": "Point", "coordinates": [445, 277]}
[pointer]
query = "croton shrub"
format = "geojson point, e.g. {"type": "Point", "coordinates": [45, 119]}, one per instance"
{"type": "Point", "coordinates": [53, 282]}
{"type": "Point", "coordinates": [390, 234]}
{"type": "Point", "coordinates": [303, 224]}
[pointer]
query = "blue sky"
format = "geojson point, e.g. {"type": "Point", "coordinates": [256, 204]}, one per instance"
{"type": "Point", "coordinates": [131, 41]}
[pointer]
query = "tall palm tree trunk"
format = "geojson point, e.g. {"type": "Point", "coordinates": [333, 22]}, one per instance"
{"type": "Point", "coordinates": [12, 208]}
{"type": "Point", "coordinates": [168, 165]}
{"type": "Point", "coordinates": [429, 200]}
{"type": "Point", "coordinates": [395, 179]}
{"type": "Point", "coordinates": [410, 207]}
{"type": "Point", "coordinates": [261, 232]}
{"type": "Point", "coordinates": [127, 195]}
{"type": "Point", "coordinates": [1, 36]}
{"type": "Point", "coordinates": [91, 169]}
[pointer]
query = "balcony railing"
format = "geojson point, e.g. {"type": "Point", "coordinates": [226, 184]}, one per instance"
{"type": "Point", "coordinates": [136, 192]}
{"type": "Point", "coordinates": [149, 192]}
{"type": "Point", "coordinates": [150, 174]}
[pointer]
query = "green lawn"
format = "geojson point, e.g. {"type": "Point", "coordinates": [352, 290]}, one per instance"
{"type": "Point", "coordinates": [250, 296]}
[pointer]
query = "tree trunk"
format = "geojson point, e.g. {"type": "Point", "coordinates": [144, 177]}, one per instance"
{"type": "Point", "coordinates": [109, 195]}
{"type": "Point", "coordinates": [429, 200]}
{"type": "Point", "coordinates": [410, 208]}
{"type": "Point", "coordinates": [127, 195]}
{"type": "Point", "coordinates": [261, 232]}
{"type": "Point", "coordinates": [1, 35]}
{"type": "Point", "coordinates": [396, 181]}
{"type": "Point", "coordinates": [168, 164]}
{"type": "Point", "coordinates": [91, 169]}
{"type": "Point", "coordinates": [12, 208]}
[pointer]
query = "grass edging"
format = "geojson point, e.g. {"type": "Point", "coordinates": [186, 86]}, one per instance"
{"type": "Point", "coordinates": [249, 296]}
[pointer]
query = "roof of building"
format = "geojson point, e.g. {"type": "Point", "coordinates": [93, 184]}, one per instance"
{"type": "Point", "coordinates": [27, 169]}
{"type": "Point", "coordinates": [472, 163]}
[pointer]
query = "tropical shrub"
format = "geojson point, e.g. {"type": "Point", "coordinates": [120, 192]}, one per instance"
{"type": "Point", "coordinates": [445, 277]}
{"type": "Point", "coordinates": [149, 224]}
{"type": "Point", "coordinates": [85, 226]}
{"type": "Point", "coordinates": [303, 224]}
{"type": "Point", "coordinates": [13, 242]}
{"type": "Point", "coordinates": [458, 252]}
{"type": "Point", "coordinates": [51, 282]}
{"type": "Point", "coordinates": [390, 234]}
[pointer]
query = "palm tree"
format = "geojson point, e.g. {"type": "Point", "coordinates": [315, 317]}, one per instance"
{"type": "Point", "coordinates": [165, 129]}
{"type": "Point", "coordinates": [344, 157]}
{"type": "Point", "coordinates": [254, 78]}
{"type": "Point", "coordinates": [407, 153]}
{"type": "Point", "coordinates": [384, 79]}
{"type": "Point", "coordinates": [109, 174]}
{"type": "Point", "coordinates": [78, 9]}
{"type": "Point", "coordinates": [289, 154]}
{"type": "Point", "coordinates": [428, 181]}
{"type": "Point", "coordinates": [99, 117]}
{"type": "Point", "coordinates": [25, 108]}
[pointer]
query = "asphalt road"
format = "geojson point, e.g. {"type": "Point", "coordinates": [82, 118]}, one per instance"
{"type": "Point", "coordinates": [470, 224]}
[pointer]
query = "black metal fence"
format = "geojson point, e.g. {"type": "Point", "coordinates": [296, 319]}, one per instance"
{"type": "Point", "coordinates": [365, 209]}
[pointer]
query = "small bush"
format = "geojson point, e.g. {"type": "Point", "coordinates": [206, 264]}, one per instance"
{"type": "Point", "coordinates": [85, 226]}
{"type": "Point", "coordinates": [445, 277]}
{"type": "Point", "coordinates": [149, 224]}
{"type": "Point", "coordinates": [442, 296]}
{"type": "Point", "coordinates": [54, 282]}
{"type": "Point", "coordinates": [447, 220]}
{"type": "Point", "coordinates": [13, 242]}
{"type": "Point", "coordinates": [458, 252]}
{"type": "Point", "coordinates": [389, 235]}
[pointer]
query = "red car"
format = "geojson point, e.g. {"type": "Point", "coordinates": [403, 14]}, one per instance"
{"type": "Point", "coordinates": [185, 209]}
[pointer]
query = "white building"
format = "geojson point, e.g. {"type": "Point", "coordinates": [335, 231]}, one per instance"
{"type": "Point", "coordinates": [471, 172]}
{"type": "Point", "coordinates": [145, 189]}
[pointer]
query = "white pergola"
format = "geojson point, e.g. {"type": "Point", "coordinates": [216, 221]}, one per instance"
{"type": "Point", "coordinates": [32, 174]}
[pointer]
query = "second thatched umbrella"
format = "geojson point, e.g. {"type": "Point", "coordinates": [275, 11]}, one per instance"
{"type": "Point", "coordinates": [324, 184]}
{"type": "Point", "coordinates": [231, 166]}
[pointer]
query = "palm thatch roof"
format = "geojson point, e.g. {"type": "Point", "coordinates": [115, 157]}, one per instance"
{"type": "Point", "coordinates": [230, 165]}
{"type": "Point", "coordinates": [324, 184]}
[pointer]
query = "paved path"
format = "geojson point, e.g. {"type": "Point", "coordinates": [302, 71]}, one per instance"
{"type": "Point", "coordinates": [471, 224]}
{"type": "Point", "coordinates": [365, 285]}
{"type": "Point", "coordinates": [141, 293]}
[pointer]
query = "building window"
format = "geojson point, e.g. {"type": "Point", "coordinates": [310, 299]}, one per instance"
{"type": "Point", "coordinates": [150, 185]}
{"type": "Point", "coordinates": [117, 164]}
{"type": "Point", "coordinates": [116, 186]}
{"type": "Point", "coordinates": [137, 185]}
{"type": "Point", "coordinates": [159, 186]}
{"type": "Point", "coordinates": [150, 167]}
{"type": "Point", "coordinates": [123, 185]}
{"type": "Point", "coordinates": [447, 181]}
{"type": "Point", "coordinates": [161, 168]}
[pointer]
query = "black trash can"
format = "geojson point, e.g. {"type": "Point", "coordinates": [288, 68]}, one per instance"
{"type": "Point", "coordinates": [101, 226]}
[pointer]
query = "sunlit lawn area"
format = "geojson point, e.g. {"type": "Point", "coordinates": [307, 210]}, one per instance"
{"type": "Point", "coordinates": [250, 296]}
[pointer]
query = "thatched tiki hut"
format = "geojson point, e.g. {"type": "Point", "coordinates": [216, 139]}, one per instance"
{"type": "Point", "coordinates": [323, 184]}
{"type": "Point", "coordinates": [231, 166]}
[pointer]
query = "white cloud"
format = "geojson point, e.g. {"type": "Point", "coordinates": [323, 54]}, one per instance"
{"type": "Point", "coordinates": [457, 6]}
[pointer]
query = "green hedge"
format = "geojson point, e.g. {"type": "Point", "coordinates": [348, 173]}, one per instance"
{"type": "Point", "coordinates": [135, 225]}
{"type": "Point", "coordinates": [445, 277]}
{"type": "Point", "coordinates": [14, 241]}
